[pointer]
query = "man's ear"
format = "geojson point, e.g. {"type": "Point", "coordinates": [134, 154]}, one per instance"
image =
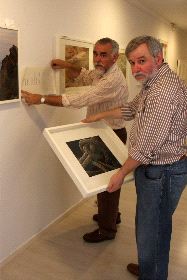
{"type": "Point", "coordinates": [159, 59]}
{"type": "Point", "coordinates": [115, 57]}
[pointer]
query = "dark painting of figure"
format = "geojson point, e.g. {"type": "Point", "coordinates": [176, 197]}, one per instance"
{"type": "Point", "coordinates": [93, 155]}
{"type": "Point", "coordinates": [8, 64]}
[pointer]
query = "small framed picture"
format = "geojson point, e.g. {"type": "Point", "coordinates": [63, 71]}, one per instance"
{"type": "Point", "coordinates": [164, 49]}
{"type": "Point", "coordinates": [122, 62]}
{"type": "Point", "coordinates": [182, 69]}
{"type": "Point", "coordinates": [90, 153]}
{"type": "Point", "coordinates": [9, 74]}
{"type": "Point", "coordinates": [77, 52]}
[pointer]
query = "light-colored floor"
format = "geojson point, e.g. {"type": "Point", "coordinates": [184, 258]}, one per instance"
{"type": "Point", "coordinates": [59, 253]}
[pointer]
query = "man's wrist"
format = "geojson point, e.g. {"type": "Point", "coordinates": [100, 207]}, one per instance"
{"type": "Point", "coordinates": [122, 172]}
{"type": "Point", "coordinates": [42, 100]}
{"type": "Point", "coordinates": [53, 100]}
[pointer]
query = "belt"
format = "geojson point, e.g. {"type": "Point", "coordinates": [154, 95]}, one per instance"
{"type": "Point", "coordinates": [183, 157]}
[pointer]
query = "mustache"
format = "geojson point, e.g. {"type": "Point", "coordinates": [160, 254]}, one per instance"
{"type": "Point", "coordinates": [99, 64]}
{"type": "Point", "coordinates": [138, 74]}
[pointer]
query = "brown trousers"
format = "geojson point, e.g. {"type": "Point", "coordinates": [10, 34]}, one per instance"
{"type": "Point", "coordinates": [108, 203]}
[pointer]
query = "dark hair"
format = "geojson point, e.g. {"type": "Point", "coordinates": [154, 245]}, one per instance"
{"type": "Point", "coordinates": [154, 46]}
{"type": "Point", "coordinates": [104, 41]}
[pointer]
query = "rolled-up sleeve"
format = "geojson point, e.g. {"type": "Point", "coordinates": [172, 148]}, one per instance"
{"type": "Point", "coordinates": [105, 90]}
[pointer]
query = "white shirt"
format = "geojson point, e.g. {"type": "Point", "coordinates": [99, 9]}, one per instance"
{"type": "Point", "coordinates": [107, 91]}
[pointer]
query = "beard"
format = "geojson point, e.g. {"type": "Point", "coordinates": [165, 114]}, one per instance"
{"type": "Point", "coordinates": [99, 68]}
{"type": "Point", "coordinates": [145, 76]}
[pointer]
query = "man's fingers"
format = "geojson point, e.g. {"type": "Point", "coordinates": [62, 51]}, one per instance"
{"type": "Point", "coordinates": [84, 121]}
{"type": "Point", "coordinates": [110, 188]}
{"type": "Point", "coordinates": [24, 93]}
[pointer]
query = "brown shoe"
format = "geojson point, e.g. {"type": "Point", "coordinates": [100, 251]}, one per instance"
{"type": "Point", "coordinates": [133, 268]}
{"type": "Point", "coordinates": [95, 237]}
{"type": "Point", "coordinates": [118, 220]}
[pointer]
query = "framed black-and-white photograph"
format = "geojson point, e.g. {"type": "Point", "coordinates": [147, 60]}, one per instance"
{"type": "Point", "coordinates": [77, 52]}
{"type": "Point", "coordinates": [9, 77]}
{"type": "Point", "coordinates": [90, 153]}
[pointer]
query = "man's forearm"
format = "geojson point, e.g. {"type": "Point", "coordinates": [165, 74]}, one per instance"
{"type": "Point", "coordinates": [115, 113]}
{"type": "Point", "coordinates": [129, 165]}
{"type": "Point", "coordinates": [36, 99]}
{"type": "Point", "coordinates": [53, 100]}
{"type": "Point", "coordinates": [75, 70]}
{"type": "Point", "coordinates": [117, 179]}
{"type": "Point", "coordinates": [57, 64]}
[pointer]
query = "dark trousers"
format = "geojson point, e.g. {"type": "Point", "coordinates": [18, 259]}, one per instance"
{"type": "Point", "coordinates": [108, 203]}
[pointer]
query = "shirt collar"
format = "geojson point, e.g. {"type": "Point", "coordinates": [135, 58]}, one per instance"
{"type": "Point", "coordinates": [111, 69]}
{"type": "Point", "coordinates": [161, 71]}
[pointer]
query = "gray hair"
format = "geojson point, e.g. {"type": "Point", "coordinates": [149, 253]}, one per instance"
{"type": "Point", "coordinates": [114, 44]}
{"type": "Point", "coordinates": [154, 46]}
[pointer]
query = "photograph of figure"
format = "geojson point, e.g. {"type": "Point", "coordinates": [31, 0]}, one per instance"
{"type": "Point", "coordinates": [9, 83]}
{"type": "Point", "coordinates": [93, 155]}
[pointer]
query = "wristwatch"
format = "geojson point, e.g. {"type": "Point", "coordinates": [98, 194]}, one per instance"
{"type": "Point", "coordinates": [42, 100]}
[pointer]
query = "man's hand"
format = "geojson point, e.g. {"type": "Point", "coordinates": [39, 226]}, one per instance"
{"type": "Point", "coordinates": [116, 181]}
{"type": "Point", "coordinates": [114, 113]}
{"type": "Point", "coordinates": [59, 64]}
{"type": "Point", "coordinates": [30, 98]}
{"type": "Point", "coordinates": [93, 118]}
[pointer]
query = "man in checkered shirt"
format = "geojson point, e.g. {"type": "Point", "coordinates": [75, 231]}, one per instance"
{"type": "Point", "coordinates": [157, 153]}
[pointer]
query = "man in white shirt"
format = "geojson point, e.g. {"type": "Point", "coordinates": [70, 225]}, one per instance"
{"type": "Point", "coordinates": [108, 90]}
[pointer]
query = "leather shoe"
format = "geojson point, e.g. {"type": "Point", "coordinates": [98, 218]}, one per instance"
{"type": "Point", "coordinates": [133, 268]}
{"type": "Point", "coordinates": [95, 237]}
{"type": "Point", "coordinates": [118, 220]}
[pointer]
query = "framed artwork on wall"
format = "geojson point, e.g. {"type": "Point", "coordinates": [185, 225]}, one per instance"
{"type": "Point", "coordinates": [182, 69]}
{"type": "Point", "coordinates": [164, 49]}
{"type": "Point", "coordinates": [122, 62]}
{"type": "Point", "coordinates": [77, 52]}
{"type": "Point", "coordinates": [90, 153]}
{"type": "Point", "coordinates": [9, 77]}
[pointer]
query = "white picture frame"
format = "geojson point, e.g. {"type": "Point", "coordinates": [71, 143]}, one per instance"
{"type": "Point", "coordinates": [59, 136]}
{"type": "Point", "coordinates": [9, 65]}
{"type": "Point", "coordinates": [74, 51]}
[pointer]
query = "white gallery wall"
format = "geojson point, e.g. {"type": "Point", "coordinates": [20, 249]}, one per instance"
{"type": "Point", "coordinates": [34, 187]}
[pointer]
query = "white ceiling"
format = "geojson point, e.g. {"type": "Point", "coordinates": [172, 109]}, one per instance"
{"type": "Point", "coordinates": [174, 11]}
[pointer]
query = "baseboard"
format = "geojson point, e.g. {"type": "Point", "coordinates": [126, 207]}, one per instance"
{"type": "Point", "coordinates": [28, 242]}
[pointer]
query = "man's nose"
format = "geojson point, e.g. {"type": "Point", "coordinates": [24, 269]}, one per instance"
{"type": "Point", "coordinates": [136, 68]}
{"type": "Point", "coordinates": [97, 58]}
